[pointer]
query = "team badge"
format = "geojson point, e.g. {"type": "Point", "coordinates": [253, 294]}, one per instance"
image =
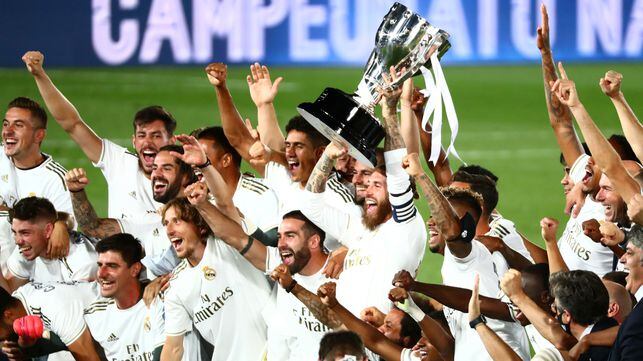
{"type": "Point", "coordinates": [32, 194]}
{"type": "Point", "coordinates": [209, 273]}
{"type": "Point", "coordinates": [146, 325]}
{"type": "Point", "coordinates": [5, 178]}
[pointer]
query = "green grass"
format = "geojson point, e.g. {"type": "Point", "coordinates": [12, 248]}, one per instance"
{"type": "Point", "coordinates": [503, 120]}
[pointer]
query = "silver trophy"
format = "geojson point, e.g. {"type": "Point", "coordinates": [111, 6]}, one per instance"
{"type": "Point", "coordinates": [404, 40]}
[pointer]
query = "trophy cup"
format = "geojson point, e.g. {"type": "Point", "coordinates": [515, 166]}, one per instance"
{"type": "Point", "coordinates": [403, 40]}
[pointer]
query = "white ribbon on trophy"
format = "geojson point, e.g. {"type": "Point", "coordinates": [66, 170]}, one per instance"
{"type": "Point", "coordinates": [438, 92]}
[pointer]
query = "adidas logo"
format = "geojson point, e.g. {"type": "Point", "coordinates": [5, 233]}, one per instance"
{"type": "Point", "coordinates": [112, 338]}
{"type": "Point", "coordinates": [133, 194]}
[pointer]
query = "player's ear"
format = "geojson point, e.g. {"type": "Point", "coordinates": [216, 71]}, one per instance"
{"type": "Point", "coordinates": [226, 160]}
{"type": "Point", "coordinates": [319, 151]}
{"type": "Point", "coordinates": [49, 229]}
{"type": "Point", "coordinates": [40, 135]}
{"type": "Point", "coordinates": [136, 269]}
{"type": "Point", "coordinates": [314, 241]}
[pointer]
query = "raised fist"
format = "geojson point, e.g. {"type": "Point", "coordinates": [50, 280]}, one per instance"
{"type": "Point", "coordinates": [403, 279]}
{"type": "Point", "coordinates": [548, 228]}
{"type": "Point", "coordinates": [398, 294]}
{"type": "Point", "coordinates": [411, 164]}
{"type": "Point", "coordinates": [281, 274]}
{"type": "Point", "coordinates": [34, 60]}
{"type": "Point", "coordinates": [196, 193]}
{"type": "Point", "coordinates": [611, 83]}
{"type": "Point", "coordinates": [76, 179]}
{"type": "Point", "coordinates": [217, 73]}
{"type": "Point", "coordinates": [326, 293]}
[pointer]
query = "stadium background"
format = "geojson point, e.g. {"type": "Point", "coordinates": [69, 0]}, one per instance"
{"type": "Point", "coordinates": [497, 90]}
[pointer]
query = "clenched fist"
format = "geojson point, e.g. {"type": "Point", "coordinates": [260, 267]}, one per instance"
{"type": "Point", "coordinates": [34, 60]}
{"type": "Point", "coordinates": [611, 83]}
{"type": "Point", "coordinates": [326, 293]}
{"type": "Point", "coordinates": [76, 179]}
{"type": "Point", "coordinates": [217, 73]}
{"type": "Point", "coordinates": [281, 274]}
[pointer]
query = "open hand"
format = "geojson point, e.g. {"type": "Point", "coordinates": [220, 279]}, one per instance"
{"type": "Point", "coordinates": [335, 264]}
{"type": "Point", "coordinates": [262, 89]}
{"type": "Point", "coordinates": [193, 152]}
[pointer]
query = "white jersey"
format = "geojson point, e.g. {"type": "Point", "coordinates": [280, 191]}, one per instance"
{"type": "Point", "coordinates": [291, 195]}
{"type": "Point", "coordinates": [410, 355]}
{"type": "Point", "coordinates": [7, 242]}
{"type": "Point", "coordinates": [460, 272]}
{"type": "Point", "coordinates": [293, 332]}
{"type": "Point", "coordinates": [129, 190]}
{"type": "Point", "coordinates": [223, 297]}
{"type": "Point", "coordinates": [148, 229]}
{"type": "Point", "coordinates": [129, 334]}
{"type": "Point", "coordinates": [46, 180]}
{"type": "Point", "coordinates": [506, 230]}
{"type": "Point", "coordinates": [578, 250]}
{"type": "Point", "coordinates": [59, 305]}
{"type": "Point", "coordinates": [257, 202]}
{"type": "Point", "coordinates": [374, 256]}
{"type": "Point", "coordinates": [79, 265]}
{"type": "Point", "coordinates": [538, 342]}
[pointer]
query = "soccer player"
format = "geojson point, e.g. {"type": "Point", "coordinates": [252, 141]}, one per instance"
{"type": "Point", "coordinates": [119, 320]}
{"type": "Point", "coordinates": [294, 331]}
{"type": "Point", "coordinates": [128, 175]}
{"type": "Point", "coordinates": [32, 223]}
{"type": "Point", "coordinates": [59, 307]}
{"type": "Point", "coordinates": [24, 170]}
{"type": "Point", "coordinates": [303, 144]}
{"type": "Point", "coordinates": [455, 212]}
{"type": "Point", "coordinates": [256, 201]}
{"type": "Point", "coordinates": [170, 176]}
{"type": "Point", "coordinates": [213, 289]}
{"type": "Point", "coordinates": [387, 236]}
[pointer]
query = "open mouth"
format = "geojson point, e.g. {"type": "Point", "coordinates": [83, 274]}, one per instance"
{"type": "Point", "coordinates": [10, 142]}
{"type": "Point", "coordinates": [148, 156]}
{"type": "Point", "coordinates": [371, 205]}
{"type": "Point", "coordinates": [159, 186]}
{"type": "Point", "coordinates": [287, 257]}
{"type": "Point", "coordinates": [176, 242]}
{"type": "Point", "coordinates": [24, 249]}
{"type": "Point", "coordinates": [588, 175]}
{"type": "Point", "coordinates": [105, 284]}
{"type": "Point", "coordinates": [293, 165]}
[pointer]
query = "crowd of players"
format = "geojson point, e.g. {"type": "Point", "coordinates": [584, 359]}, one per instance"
{"type": "Point", "coordinates": [316, 258]}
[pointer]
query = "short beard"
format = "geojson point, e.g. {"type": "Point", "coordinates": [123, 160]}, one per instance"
{"type": "Point", "coordinates": [171, 193]}
{"type": "Point", "coordinates": [301, 260]}
{"type": "Point", "coordinates": [373, 221]}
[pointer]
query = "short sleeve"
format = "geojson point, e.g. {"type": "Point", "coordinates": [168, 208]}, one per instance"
{"type": "Point", "coordinates": [19, 266]}
{"type": "Point", "coordinates": [67, 319]}
{"type": "Point", "coordinates": [158, 327]}
{"type": "Point", "coordinates": [110, 157]}
{"type": "Point", "coordinates": [177, 318]}
{"type": "Point", "coordinates": [276, 177]}
{"type": "Point", "coordinates": [268, 216]}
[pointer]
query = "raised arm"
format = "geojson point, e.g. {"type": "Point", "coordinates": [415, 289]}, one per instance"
{"type": "Point", "coordinates": [390, 97]}
{"type": "Point", "coordinates": [319, 176]}
{"type": "Point", "coordinates": [544, 323]}
{"type": "Point", "coordinates": [497, 348]}
{"type": "Point", "coordinates": [548, 229]}
{"type": "Point", "coordinates": [263, 92]}
{"type": "Point", "coordinates": [442, 169]}
{"type": "Point", "coordinates": [225, 228]}
{"type": "Point", "coordinates": [602, 152]}
{"type": "Point", "coordinates": [88, 221]}
{"type": "Point", "coordinates": [632, 128]}
{"type": "Point", "coordinates": [560, 118]}
{"type": "Point", "coordinates": [62, 110]}
{"type": "Point", "coordinates": [408, 125]}
{"type": "Point", "coordinates": [231, 121]}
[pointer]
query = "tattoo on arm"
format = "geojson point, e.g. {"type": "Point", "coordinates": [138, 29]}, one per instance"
{"type": "Point", "coordinates": [319, 176]}
{"type": "Point", "coordinates": [559, 114]}
{"type": "Point", "coordinates": [393, 138]}
{"type": "Point", "coordinates": [87, 219]}
{"type": "Point", "coordinates": [321, 312]}
{"type": "Point", "coordinates": [441, 210]}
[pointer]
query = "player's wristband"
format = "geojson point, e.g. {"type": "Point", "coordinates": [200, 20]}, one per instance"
{"type": "Point", "coordinates": [478, 320]}
{"type": "Point", "coordinates": [411, 308]}
{"type": "Point", "coordinates": [248, 245]}
{"type": "Point", "coordinates": [204, 165]}
{"type": "Point", "coordinates": [291, 286]}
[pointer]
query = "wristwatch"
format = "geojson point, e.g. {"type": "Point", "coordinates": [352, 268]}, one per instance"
{"type": "Point", "coordinates": [478, 320]}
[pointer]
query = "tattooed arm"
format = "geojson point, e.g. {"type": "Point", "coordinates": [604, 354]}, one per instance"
{"type": "Point", "coordinates": [442, 212]}
{"type": "Point", "coordinates": [560, 116]}
{"type": "Point", "coordinates": [314, 304]}
{"type": "Point", "coordinates": [319, 176]}
{"type": "Point", "coordinates": [88, 221]}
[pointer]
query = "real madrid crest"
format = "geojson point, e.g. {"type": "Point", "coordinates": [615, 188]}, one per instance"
{"type": "Point", "coordinates": [5, 178]}
{"type": "Point", "coordinates": [146, 324]}
{"type": "Point", "coordinates": [209, 273]}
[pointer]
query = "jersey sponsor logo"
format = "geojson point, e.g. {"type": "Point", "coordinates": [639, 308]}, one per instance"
{"type": "Point", "coordinates": [572, 240]}
{"type": "Point", "coordinates": [308, 320]}
{"type": "Point", "coordinates": [209, 273]}
{"type": "Point", "coordinates": [213, 306]}
{"type": "Point", "coordinates": [112, 338]}
{"type": "Point", "coordinates": [354, 258]}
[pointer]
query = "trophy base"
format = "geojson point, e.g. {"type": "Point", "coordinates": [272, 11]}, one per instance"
{"type": "Point", "coordinates": [339, 117]}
